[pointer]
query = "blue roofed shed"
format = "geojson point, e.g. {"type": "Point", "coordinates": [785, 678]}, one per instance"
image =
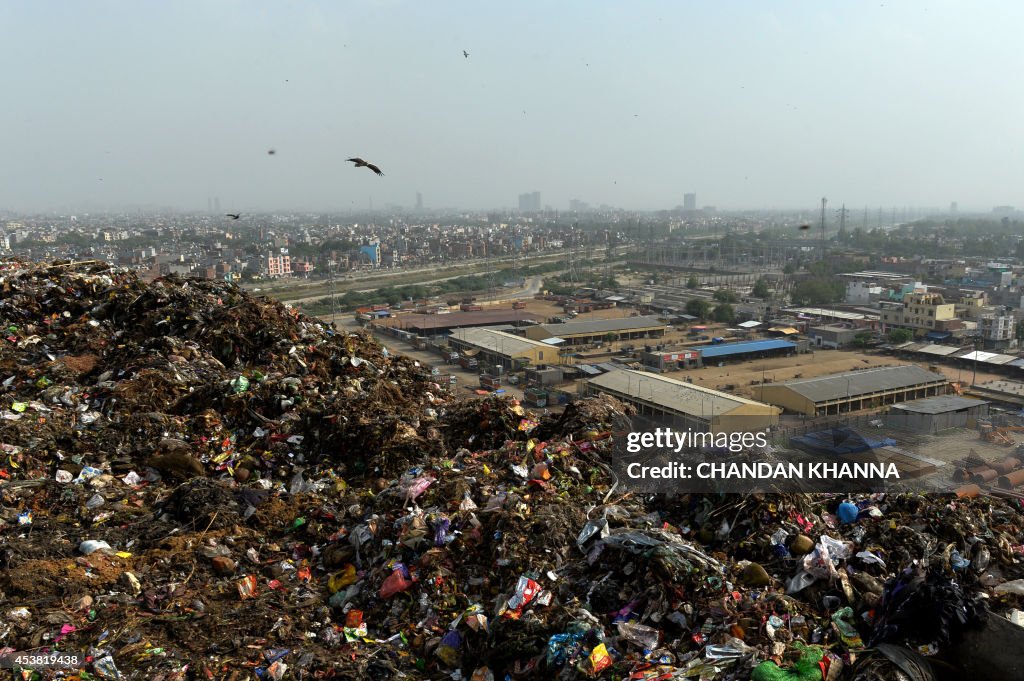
{"type": "Point", "coordinates": [773, 346]}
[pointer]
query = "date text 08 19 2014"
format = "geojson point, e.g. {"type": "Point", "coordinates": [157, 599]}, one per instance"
{"type": "Point", "coordinates": [40, 660]}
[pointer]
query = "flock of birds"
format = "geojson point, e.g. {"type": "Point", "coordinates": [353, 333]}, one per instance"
{"type": "Point", "coordinates": [360, 163]}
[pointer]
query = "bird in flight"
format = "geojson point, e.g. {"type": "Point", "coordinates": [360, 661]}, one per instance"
{"type": "Point", "coordinates": [233, 216]}
{"type": "Point", "coordinates": [271, 152]}
{"type": "Point", "coordinates": [465, 54]}
{"type": "Point", "coordinates": [805, 226]}
{"type": "Point", "coordinates": [360, 163]}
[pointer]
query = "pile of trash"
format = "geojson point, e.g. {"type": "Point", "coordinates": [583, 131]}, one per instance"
{"type": "Point", "coordinates": [198, 483]}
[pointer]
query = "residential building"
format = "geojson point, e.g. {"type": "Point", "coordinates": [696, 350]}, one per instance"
{"type": "Point", "coordinates": [922, 313]}
{"type": "Point", "coordinates": [279, 265]}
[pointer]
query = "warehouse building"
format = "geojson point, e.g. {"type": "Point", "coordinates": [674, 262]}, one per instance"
{"type": "Point", "coordinates": [853, 390]}
{"type": "Point", "coordinates": [711, 355]}
{"type": "Point", "coordinates": [935, 414]}
{"type": "Point", "coordinates": [685, 405]}
{"type": "Point", "coordinates": [431, 325]}
{"type": "Point", "coordinates": [835, 337]}
{"type": "Point", "coordinates": [497, 348]}
{"type": "Point", "coordinates": [597, 330]}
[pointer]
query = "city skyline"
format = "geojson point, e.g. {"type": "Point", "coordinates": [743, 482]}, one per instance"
{"type": "Point", "coordinates": [750, 107]}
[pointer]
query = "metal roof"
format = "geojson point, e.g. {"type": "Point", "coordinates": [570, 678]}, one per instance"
{"type": "Point", "coordinates": [671, 394]}
{"type": "Point", "coordinates": [1001, 359]}
{"type": "Point", "coordinates": [862, 382]}
{"type": "Point", "coordinates": [939, 405]}
{"type": "Point", "coordinates": [1006, 387]}
{"type": "Point", "coordinates": [708, 351]}
{"type": "Point", "coordinates": [987, 357]}
{"type": "Point", "coordinates": [749, 325]}
{"type": "Point", "coordinates": [451, 320]}
{"type": "Point", "coordinates": [497, 341]}
{"type": "Point", "coordinates": [592, 326]}
{"type": "Point", "coordinates": [835, 314]}
{"type": "Point", "coordinates": [553, 341]}
{"type": "Point", "coordinates": [942, 350]}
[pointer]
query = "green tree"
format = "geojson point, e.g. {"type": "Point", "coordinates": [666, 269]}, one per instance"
{"type": "Point", "coordinates": [897, 336]}
{"type": "Point", "coordinates": [698, 308]}
{"type": "Point", "coordinates": [790, 268]}
{"type": "Point", "coordinates": [862, 338]}
{"type": "Point", "coordinates": [1019, 332]}
{"type": "Point", "coordinates": [761, 289]}
{"type": "Point", "coordinates": [724, 295]}
{"type": "Point", "coordinates": [692, 282]}
{"type": "Point", "coordinates": [817, 291]}
{"type": "Point", "coordinates": [724, 313]}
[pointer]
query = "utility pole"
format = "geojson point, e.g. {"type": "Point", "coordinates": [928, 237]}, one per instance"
{"type": "Point", "coordinates": [842, 218]}
{"type": "Point", "coordinates": [572, 253]}
{"type": "Point", "coordinates": [824, 202]}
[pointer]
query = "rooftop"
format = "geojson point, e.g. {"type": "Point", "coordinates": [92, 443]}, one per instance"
{"type": "Point", "coordinates": [498, 341]}
{"type": "Point", "coordinates": [1009, 387]}
{"type": "Point", "coordinates": [862, 382]}
{"type": "Point", "coordinates": [834, 314]}
{"type": "Point", "coordinates": [939, 405]}
{"type": "Point", "coordinates": [457, 319]}
{"type": "Point", "coordinates": [724, 349]}
{"type": "Point", "coordinates": [671, 394]}
{"type": "Point", "coordinates": [594, 326]}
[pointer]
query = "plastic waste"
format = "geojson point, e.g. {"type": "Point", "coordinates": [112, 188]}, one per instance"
{"type": "Point", "coordinates": [90, 546]}
{"type": "Point", "coordinates": [599, 659]}
{"type": "Point", "coordinates": [526, 590]}
{"type": "Point", "coordinates": [398, 581]}
{"type": "Point", "coordinates": [799, 582]}
{"type": "Point", "coordinates": [592, 528]}
{"type": "Point", "coordinates": [639, 634]}
{"type": "Point", "coordinates": [806, 668]}
{"type": "Point", "coordinates": [842, 620]}
{"type": "Point", "coordinates": [1015, 587]}
{"type": "Point", "coordinates": [847, 512]}
{"type": "Point", "coordinates": [239, 384]}
{"type": "Point", "coordinates": [449, 648]}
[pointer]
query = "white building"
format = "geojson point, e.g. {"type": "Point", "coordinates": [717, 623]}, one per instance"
{"type": "Point", "coordinates": [997, 327]}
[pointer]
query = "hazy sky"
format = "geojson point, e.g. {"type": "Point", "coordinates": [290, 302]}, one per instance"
{"type": "Point", "coordinates": [748, 104]}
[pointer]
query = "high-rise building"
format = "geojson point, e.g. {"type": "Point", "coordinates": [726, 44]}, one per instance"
{"type": "Point", "coordinates": [529, 202]}
{"type": "Point", "coordinates": [419, 201]}
{"type": "Point", "coordinates": [953, 208]}
{"type": "Point", "coordinates": [689, 201]}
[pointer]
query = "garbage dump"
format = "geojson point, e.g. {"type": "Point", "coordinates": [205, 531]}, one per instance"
{"type": "Point", "coordinates": [196, 483]}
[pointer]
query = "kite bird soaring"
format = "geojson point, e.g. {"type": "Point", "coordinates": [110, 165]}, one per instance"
{"type": "Point", "coordinates": [233, 216]}
{"type": "Point", "coordinates": [465, 54]}
{"type": "Point", "coordinates": [360, 163]}
{"type": "Point", "coordinates": [805, 226]}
